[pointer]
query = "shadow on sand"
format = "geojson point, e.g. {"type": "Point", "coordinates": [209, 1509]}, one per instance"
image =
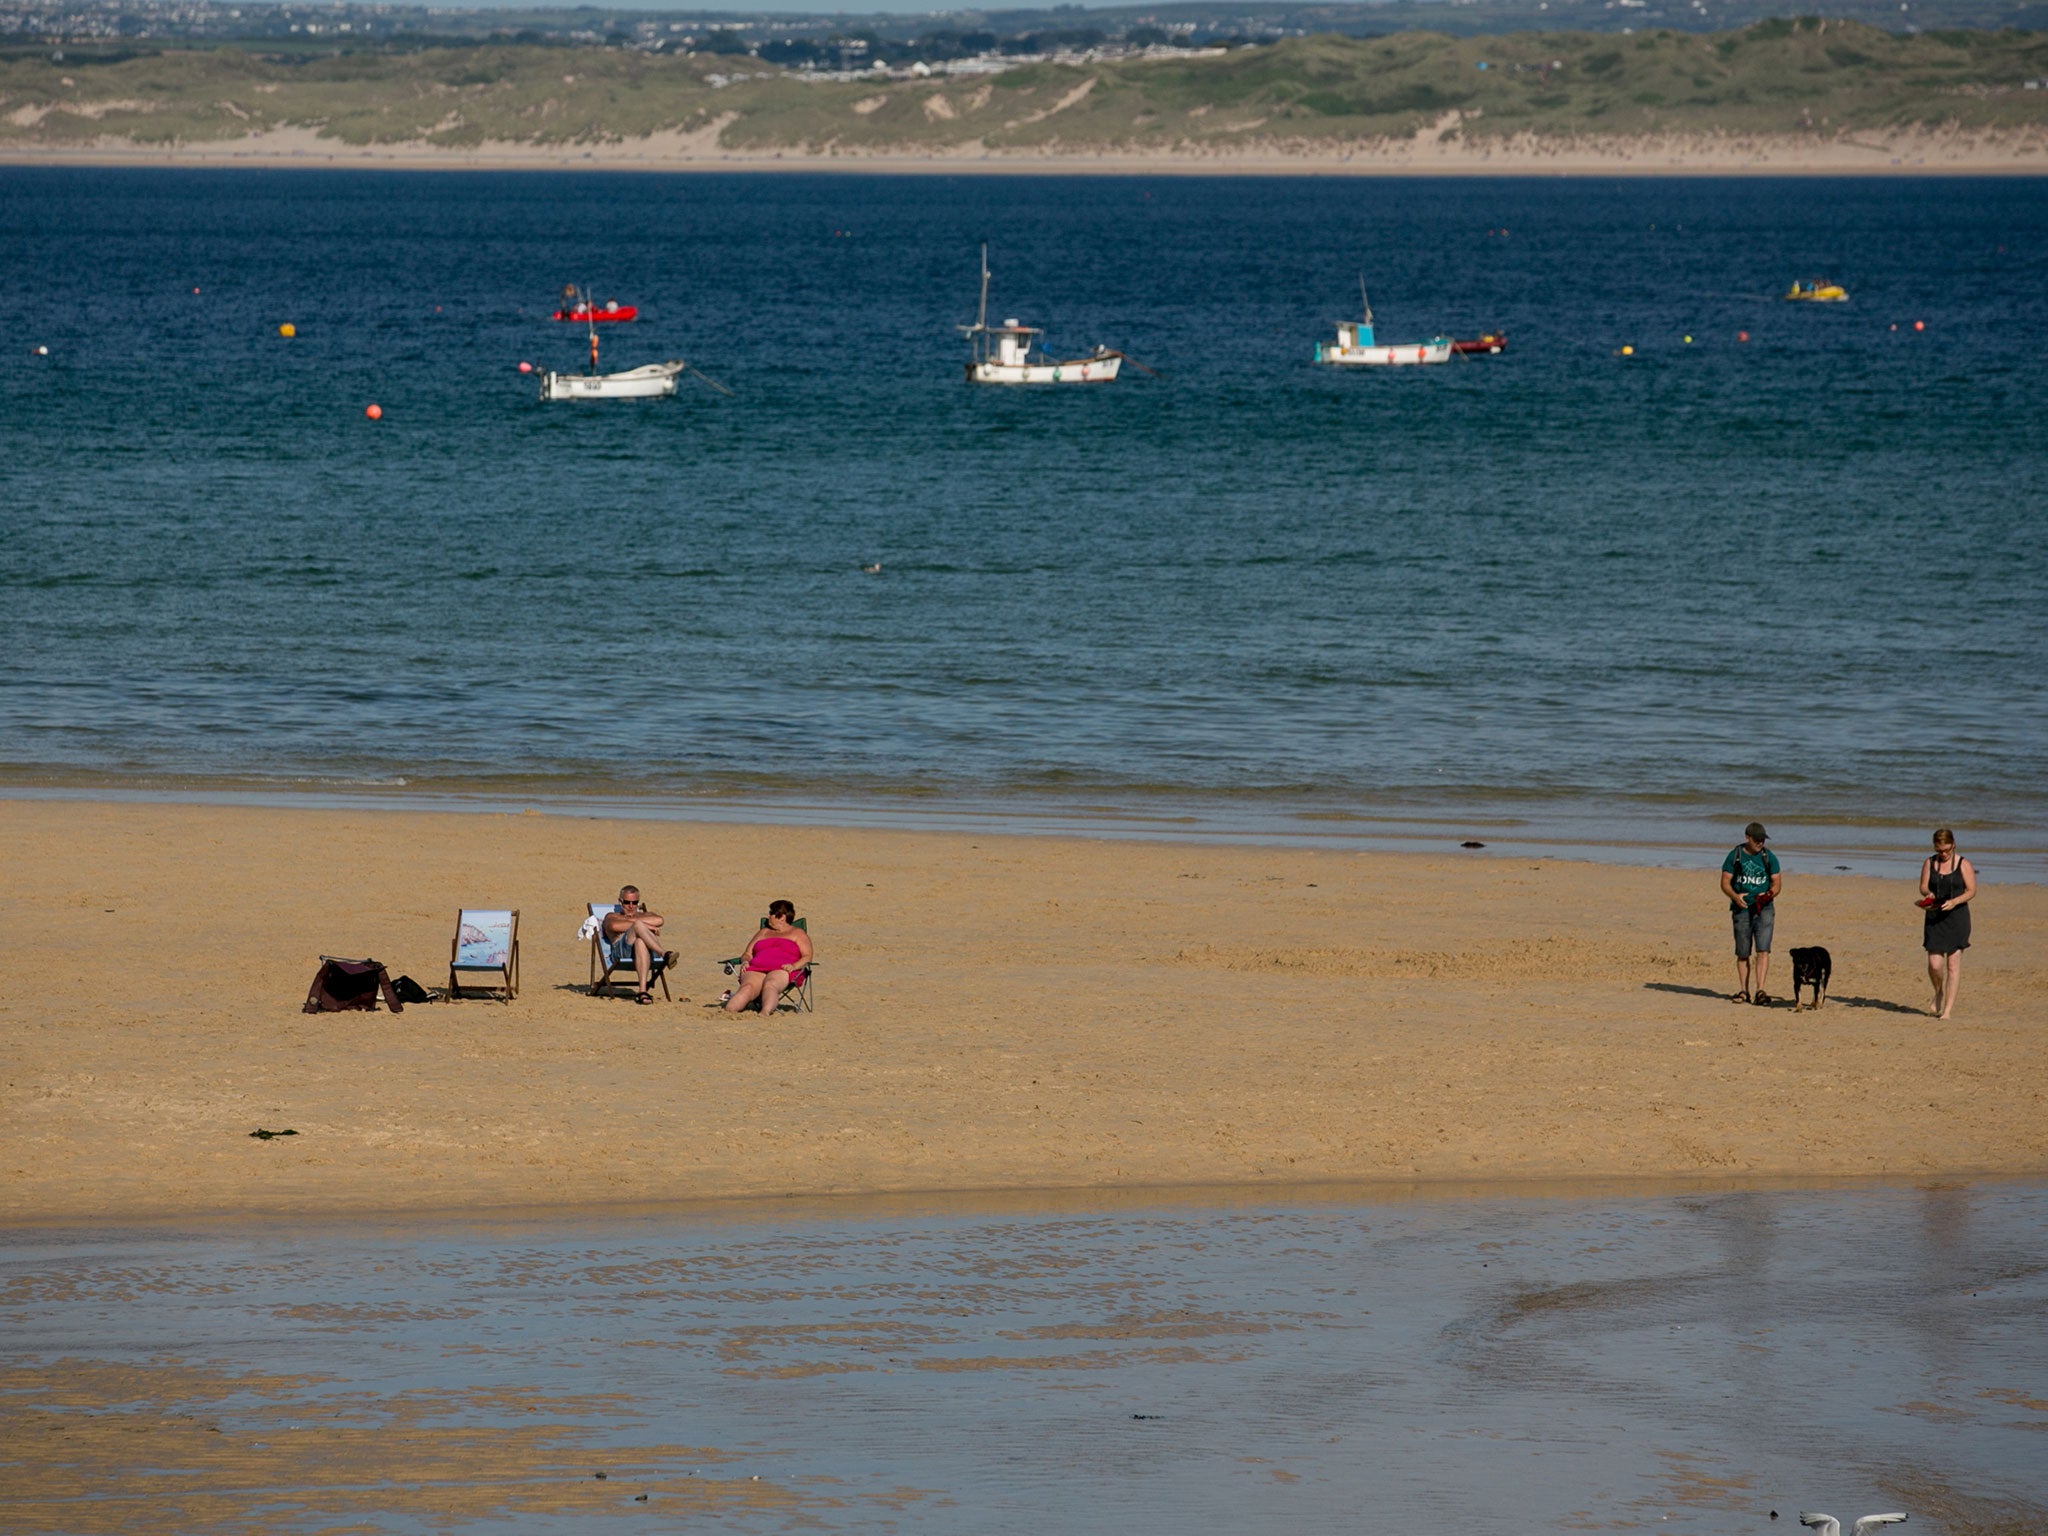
{"type": "Point", "coordinates": [1883, 1005]}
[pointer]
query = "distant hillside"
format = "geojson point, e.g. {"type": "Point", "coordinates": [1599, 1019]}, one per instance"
{"type": "Point", "coordinates": [1810, 79]}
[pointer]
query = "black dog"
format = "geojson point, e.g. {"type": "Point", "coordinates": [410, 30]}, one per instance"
{"type": "Point", "coordinates": [1811, 967]}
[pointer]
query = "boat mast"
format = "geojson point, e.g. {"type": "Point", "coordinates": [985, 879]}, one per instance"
{"type": "Point", "coordinates": [977, 333]}
{"type": "Point", "coordinates": [981, 315]}
{"type": "Point", "coordinates": [1364, 302]}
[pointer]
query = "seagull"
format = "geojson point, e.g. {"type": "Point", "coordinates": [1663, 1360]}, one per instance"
{"type": "Point", "coordinates": [1828, 1525]}
{"type": "Point", "coordinates": [872, 570]}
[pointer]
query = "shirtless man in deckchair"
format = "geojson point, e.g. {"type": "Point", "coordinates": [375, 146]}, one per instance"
{"type": "Point", "coordinates": [633, 921]}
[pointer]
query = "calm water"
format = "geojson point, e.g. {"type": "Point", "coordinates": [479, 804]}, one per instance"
{"type": "Point", "coordinates": [1801, 577]}
{"type": "Point", "coordinates": [1684, 1364]}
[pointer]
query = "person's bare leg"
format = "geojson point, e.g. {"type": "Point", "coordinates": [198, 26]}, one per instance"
{"type": "Point", "coordinates": [642, 957]}
{"type": "Point", "coordinates": [750, 987]}
{"type": "Point", "coordinates": [1954, 984]}
{"type": "Point", "coordinates": [772, 986]}
{"type": "Point", "coordinates": [1937, 977]}
{"type": "Point", "coordinates": [1742, 976]}
{"type": "Point", "coordinates": [652, 926]}
{"type": "Point", "coordinates": [1759, 967]}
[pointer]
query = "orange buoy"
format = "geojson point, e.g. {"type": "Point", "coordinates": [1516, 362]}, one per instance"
{"type": "Point", "coordinates": [287, 330]}
{"type": "Point", "coordinates": [526, 367]}
{"type": "Point", "coordinates": [1742, 335]}
{"type": "Point", "coordinates": [374, 411]}
{"type": "Point", "coordinates": [1919, 325]}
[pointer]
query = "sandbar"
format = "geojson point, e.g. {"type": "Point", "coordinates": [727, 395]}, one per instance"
{"type": "Point", "coordinates": [994, 1013]}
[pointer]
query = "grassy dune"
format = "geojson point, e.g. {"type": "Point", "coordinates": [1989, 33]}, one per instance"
{"type": "Point", "coordinates": [1812, 78]}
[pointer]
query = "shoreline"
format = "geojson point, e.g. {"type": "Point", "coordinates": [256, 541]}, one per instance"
{"type": "Point", "coordinates": [995, 1013]}
{"type": "Point", "coordinates": [1951, 152]}
{"type": "Point", "coordinates": [1869, 846]}
{"type": "Point", "coordinates": [800, 1207]}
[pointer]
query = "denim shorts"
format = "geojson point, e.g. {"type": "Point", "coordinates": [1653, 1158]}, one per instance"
{"type": "Point", "coordinates": [619, 950]}
{"type": "Point", "coordinates": [1754, 927]}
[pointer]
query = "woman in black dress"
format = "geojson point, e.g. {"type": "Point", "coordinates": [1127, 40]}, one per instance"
{"type": "Point", "coordinates": [1947, 882]}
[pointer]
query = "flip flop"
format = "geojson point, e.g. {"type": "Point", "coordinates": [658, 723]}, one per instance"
{"type": "Point", "coordinates": [644, 997]}
{"type": "Point", "coordinates": [1762, 999]}
{"type": "Point", "coordinates": [1738, 997]}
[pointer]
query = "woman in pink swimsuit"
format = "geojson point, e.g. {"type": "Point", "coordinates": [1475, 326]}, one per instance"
{"type": "Point", "coordinates": [775, 954]}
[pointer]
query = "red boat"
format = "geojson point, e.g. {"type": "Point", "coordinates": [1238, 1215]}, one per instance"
{"type": "Point", "coordinates": [1491, 342]}
{"type": "Point", "coordinates": [597, 314]}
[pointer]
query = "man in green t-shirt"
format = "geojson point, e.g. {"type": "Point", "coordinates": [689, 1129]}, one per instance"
{"type": "Point", "coordinates": [1751, 882]}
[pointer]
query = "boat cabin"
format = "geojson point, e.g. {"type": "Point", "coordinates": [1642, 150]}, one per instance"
{"type": "Point", "coordinates": [1012, 342]}
{"type": "Point", "coordinates": [1354, 333]}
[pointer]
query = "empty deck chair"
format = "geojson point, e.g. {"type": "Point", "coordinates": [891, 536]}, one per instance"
{"type": "Point", "coordinates": [611, 960]}
{"type": "Point", "coordinates": [484, 957]}
{"type": "Point", "coordinates": [797, 996]}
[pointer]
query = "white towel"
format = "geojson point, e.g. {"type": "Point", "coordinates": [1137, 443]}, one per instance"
{"type": "Point", "coordinates": [590, 926]}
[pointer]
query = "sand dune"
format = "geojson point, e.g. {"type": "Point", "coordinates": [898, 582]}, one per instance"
{"type": "Point", "coordinates": [1917, 152]}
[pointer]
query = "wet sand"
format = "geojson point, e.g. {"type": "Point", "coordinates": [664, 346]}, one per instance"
{"type": "Point", "coordinates": [994, 1013]}
{"type": "Point", "coordinates": [1689, 1363]}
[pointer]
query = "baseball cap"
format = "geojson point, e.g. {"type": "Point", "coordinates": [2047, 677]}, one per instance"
{"type": "Point", "coordinates": [1756, 830]}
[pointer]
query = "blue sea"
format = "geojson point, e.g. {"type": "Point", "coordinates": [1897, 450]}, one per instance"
{"type": "Point", "coordinates": [1563, 596]}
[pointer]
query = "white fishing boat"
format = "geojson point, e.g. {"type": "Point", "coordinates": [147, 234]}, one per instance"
{"type": "Point", "coordinates": [1356, 345]}
{"type": "Point", "coordinates": [1010, 354]}
{"type": "Point", "coordinates": [647, 382]}
{"type": "Point", "coordinates": [643, 383]}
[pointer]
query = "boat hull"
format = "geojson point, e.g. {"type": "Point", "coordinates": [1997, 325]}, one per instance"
{"type": "Point", "coordinates": [650, 382]}
{"type": "Point", "coordinates": [599, 316]}
{"type": "Point", "coordinates": [1085, 370]}
{"type": "Point", "coordinates": [1491, 344]}
{"type": "Point", "coordinates": [1409, 354]}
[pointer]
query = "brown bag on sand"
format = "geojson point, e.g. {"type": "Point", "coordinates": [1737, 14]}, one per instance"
{"type": "Point", "coordinates": [340, 985]}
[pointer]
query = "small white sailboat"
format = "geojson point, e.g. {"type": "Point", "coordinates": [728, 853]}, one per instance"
{"type": "Point", "coordinates": [1356, 344]}
{"type": "Point", "coordinates": [643, 383]}
{"type": "Point", "coordinates": [1003, 354]}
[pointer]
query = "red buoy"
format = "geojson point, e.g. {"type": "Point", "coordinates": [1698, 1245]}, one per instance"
{"type": "Point", "coordinates": [1742, 335]}
{"type": "Point", "coordinates": [374, 411]}
{"type": "Point", "coordinates": [526, 367]}
{"type": "Point", "coordinates": [1919, 325]}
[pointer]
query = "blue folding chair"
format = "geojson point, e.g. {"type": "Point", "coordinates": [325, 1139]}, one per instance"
{"type": "Point", "coordinates": [611, 957]}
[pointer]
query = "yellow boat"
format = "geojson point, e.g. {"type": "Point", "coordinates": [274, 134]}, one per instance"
{"type": "Point", "coordinates": [1817, 292]}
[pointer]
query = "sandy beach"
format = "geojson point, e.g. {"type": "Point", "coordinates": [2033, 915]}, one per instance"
{"type": "Point", "coordinates": [994, 1013]}
{"type": "Point", "coordinates": [1439, 151]}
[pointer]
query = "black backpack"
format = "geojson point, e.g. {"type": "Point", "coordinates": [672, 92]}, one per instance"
{"type": "Point", "coordinates": [410, 991]}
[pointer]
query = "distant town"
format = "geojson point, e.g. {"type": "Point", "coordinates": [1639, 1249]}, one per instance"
{"type": "Point", "coordinates": [845, 46]}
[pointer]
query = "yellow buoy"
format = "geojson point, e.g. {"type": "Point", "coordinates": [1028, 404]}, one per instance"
{"type": "Point", "coordinates": [1628, 351]}
{"type": "Point", "coordinates": [287, 329]}
{"type": "Point", "coordinates": [1688, 341]}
